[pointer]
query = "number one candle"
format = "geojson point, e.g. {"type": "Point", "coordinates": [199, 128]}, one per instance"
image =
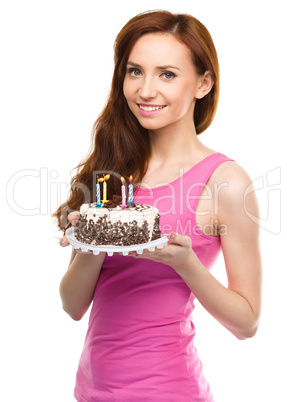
{"type": "Point", "coordinates": [105, 178]}
{"type": "Point", "coordinates": [131, 195]}
{"type": "Point", "coordinates": [123, 193]}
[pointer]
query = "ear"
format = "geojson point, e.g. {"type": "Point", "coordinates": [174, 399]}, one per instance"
{"type": "Point", "coordinates": [205, 84]}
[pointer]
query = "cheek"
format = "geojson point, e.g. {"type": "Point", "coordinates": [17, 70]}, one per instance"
{"type": "Point", "coordinates": [128, 89]}
{"type": "Point", "coordinates": [129, 96]}
{"type": "Point", "coordinates": [176, 94]}
{"type": "Point", "coordinates": [125, 89]}
{"type": "Point", "coordinates": [185, 97]}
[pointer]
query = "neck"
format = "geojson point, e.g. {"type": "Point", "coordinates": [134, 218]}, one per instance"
{"type": "Point", "coordinates": [172, 144]}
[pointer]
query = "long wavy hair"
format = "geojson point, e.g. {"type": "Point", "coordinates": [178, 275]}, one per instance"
{"type": "Point", "coordinates": [119, 144]}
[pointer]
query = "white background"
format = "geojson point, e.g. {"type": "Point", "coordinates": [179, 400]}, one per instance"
{"type": "Point", "coordinates": [56, 68]}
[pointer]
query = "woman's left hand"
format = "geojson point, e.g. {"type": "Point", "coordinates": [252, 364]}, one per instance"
{"type": "Point", "coordinates": [174, 254]}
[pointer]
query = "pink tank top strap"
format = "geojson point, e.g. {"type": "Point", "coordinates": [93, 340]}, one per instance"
{"type": "Point", "coordinates": [201, 174]}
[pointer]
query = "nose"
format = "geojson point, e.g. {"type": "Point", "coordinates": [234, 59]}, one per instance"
{"type": "Point", "coordinates": [147, 89]}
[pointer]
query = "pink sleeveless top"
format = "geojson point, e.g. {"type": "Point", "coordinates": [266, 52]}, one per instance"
{"type": "Point", "coordinates": [139, 344]}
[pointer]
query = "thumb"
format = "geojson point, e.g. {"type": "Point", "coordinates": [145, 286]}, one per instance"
{"type": "Point", "coordinates": [64, 241]}
{"type": "Point", "coordinates": [181, 240]}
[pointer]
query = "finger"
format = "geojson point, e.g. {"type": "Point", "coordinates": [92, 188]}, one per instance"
{"type": "Point", "coordinates": [73, 217]}
{"type": "Point", "coordinates": [181, 240]}
{"type": "Point", "coordinates": [132, 253]}
{"type": "Point", "coordinates": [151, 254]}
{"type": "Point", "coordinates": [64, 242]}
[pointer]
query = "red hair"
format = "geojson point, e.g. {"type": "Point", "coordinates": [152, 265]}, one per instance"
{"type": "Point", "coordinates": [120, 145]}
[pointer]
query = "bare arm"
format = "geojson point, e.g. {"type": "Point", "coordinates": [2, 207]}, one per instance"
{"type": "Point", "coordinates": [77, 286]}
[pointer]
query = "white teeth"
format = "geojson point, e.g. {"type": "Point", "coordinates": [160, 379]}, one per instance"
{"type": "Point", "coordinates": [150, 108]}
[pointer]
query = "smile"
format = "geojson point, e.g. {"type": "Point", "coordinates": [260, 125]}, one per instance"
{"type": "Point", "coordinates": [148, 110]}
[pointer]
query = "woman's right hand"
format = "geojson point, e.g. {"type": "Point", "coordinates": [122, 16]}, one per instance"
{"type": "Point", "coordinates": [73, 218]}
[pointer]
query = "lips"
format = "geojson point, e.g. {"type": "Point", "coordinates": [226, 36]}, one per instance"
{"type": "Point", "coordinates": [148, 109]}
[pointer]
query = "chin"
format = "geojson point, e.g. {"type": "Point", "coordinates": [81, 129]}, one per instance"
{"type": "Point", "coordinates": [151, 124]}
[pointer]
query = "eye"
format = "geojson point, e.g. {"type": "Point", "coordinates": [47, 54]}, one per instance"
{"type": "Point", "coordinates": [134, 72]}
{"type": "Point", "coordinates": [168, 75]}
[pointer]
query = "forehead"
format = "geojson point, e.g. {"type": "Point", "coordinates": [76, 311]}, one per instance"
{"type": "Point", "coordinates": [160, 49]}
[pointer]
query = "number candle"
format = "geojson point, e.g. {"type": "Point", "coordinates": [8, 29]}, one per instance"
{"type": "Point", "coordinates": [105, 178]}
{"type": "Point", "coordinates": [123, 193]}
{"type": "Point", "coordinates": [130, 199]}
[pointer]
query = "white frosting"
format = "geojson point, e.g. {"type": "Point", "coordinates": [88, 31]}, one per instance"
{"type": "Point", "coordinates": [139, 213]}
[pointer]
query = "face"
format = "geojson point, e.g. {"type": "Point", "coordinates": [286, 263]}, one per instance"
{"type": "Point", "coordinates": [161, 85]}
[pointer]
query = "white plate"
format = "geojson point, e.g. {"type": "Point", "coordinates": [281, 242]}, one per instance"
{"type": "Point", "coordinates": [110, 250]}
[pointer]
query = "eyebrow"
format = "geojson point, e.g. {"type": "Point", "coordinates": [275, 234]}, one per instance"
{"type": "Point", "coordinates": [158, 68]}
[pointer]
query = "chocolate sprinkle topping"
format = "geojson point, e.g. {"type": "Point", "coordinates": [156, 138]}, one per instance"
{"type": "Point", "coordinates": [105, 232]}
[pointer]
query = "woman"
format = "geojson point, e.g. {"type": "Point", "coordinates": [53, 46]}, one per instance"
{"type": "Point", "coordinates": [139, 344]}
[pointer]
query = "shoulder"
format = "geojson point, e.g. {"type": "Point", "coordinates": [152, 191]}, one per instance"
{"type": "Point", "coordinates": [229, 179]}
{"type": "Point", "coordinates": [233, 175]}
{"type": "Point", "coordinates": [231, 171]}
{"type": "Point", "coordinates": [235, 193]}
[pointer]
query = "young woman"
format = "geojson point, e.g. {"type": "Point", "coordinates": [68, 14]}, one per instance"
{"type": "Point", "coordinates": [139, 345]}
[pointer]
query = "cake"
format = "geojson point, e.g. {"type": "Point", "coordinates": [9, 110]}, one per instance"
{"type": "Point", "coordinates": [111, 224]}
